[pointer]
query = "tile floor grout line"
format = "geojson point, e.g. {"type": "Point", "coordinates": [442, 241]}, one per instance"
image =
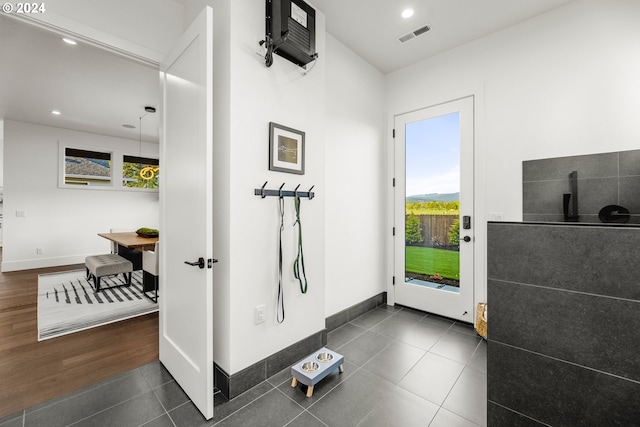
{"type": "Point", "coordinates": [317, 417]}
{"type": "Point", "coordinates": [373, 373]}
{"type": "Point", "coordinates": [153, 390]}
{"type": "Point", "coordinates": [161, 384]}
{"type": "Point", "coordinates": [435, 415]}
{"type": "Point", "coordinates": [413, 366]}
{"type": "Point", "coordinates": [153, 419]}
{"type": "Point", "coordinates": [249, 403]}
{"type": "Point", "coordinates": [332, 388]}
{"type": "Point", "coordinates": [364, 332]}
{"type": "Point", "coordinates": [81, 391]}
{"type": "Point", "coordinates": [376, 324]}
{"type": "Point", "coordinates": [404, 319]}
{"type": "Point", "coordinates": [449, 393]}
{"type": "Point", "coordinates": [110, 407]}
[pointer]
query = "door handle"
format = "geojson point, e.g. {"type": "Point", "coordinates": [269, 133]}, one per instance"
{"type": "Point", "coordinates": [466, 238]}
{"type": "Point", "coordinates": [199, 263]}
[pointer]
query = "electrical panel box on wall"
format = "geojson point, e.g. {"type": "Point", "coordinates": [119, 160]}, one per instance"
{"type": "Point", "coordinates": [291, 30]}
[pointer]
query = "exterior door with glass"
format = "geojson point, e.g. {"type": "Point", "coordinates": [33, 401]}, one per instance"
{"type": "Point", "coordinates": [434, 202]}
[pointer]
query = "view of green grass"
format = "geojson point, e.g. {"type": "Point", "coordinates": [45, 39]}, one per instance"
{"type": "Point", "coordinates": [429, 261]}
{"type": "Point", "coordinates": [432, 208]}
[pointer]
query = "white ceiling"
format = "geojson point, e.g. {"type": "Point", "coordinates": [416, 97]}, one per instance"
{"type": "Point", "coordinates": [95, 90]}
{"type": "Point", "coordinates": [99, 91]}
{"type": "Point", "coordinates": [371, 27]}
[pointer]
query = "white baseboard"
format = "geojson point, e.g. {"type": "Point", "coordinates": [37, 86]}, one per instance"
{"type": "Point", "coordinates": [41, 263]}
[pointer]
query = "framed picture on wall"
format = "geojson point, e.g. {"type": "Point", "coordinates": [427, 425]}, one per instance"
{"type": "Point", "coordinates": [286, 149]}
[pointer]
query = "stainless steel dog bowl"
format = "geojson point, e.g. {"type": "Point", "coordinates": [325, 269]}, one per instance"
{"type": "Point", "coordinates": [324, 357]}
{"type": "Point", "coordinates": [310, 366]}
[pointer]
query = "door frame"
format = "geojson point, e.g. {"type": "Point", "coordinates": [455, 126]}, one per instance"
{"type": "Point", "coordinates": [456, 305]}
{"type": "Point", "coordinates": [420, 101]}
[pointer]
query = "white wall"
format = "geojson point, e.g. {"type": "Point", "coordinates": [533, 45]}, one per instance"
{"type": "Point", "coordinates": [246, 228]}
{"type": "Point", "coordinates": [1, 155]}
{"type": "Point", "coordinates": [283, 95]}
{"type": "Point", "coordinates": [339, 106]}
{"type": "Point", "coordinates": [62, 221]}
{"type": "Point", "coordinates": [563, 83]}
{"type": "Point", "coordinates": [355, 180]}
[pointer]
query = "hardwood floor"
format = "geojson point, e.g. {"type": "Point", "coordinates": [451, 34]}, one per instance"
{"type": "Point", "coordinates": [33, 372]}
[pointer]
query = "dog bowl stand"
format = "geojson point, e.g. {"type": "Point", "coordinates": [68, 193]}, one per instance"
{"type": "Point", "coordinates": [315, 367]}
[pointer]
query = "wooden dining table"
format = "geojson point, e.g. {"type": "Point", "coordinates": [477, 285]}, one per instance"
{"type": "Point", "coordinates": [131, 240]}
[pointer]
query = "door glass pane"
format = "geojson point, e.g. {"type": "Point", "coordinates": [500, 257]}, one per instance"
{"type": "Point", "coordinates": [432, 203]}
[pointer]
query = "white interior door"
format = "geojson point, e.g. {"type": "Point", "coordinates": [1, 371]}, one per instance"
{"type": "Point", "coordinates": [434, 202]}
{"type": "Point", "coordinates": [186, 146]}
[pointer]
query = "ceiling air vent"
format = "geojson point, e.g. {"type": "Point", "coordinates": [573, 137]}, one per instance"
{"type": "Point", "coordinates": [413, 34]}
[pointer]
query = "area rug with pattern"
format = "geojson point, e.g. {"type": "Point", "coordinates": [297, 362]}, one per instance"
{"type": "Point", "coordinates": [67, 302]}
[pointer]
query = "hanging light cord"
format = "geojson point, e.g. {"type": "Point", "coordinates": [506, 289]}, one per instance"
{"type": "Point", "coordinates": [280, 314]}
{"type": "Point", "coordinates": [299, 262]}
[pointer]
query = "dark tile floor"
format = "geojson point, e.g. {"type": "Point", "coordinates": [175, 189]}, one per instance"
{"type": "Point", "coordinates": [402, 368]}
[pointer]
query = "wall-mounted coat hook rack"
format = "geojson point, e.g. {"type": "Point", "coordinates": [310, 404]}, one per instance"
{"type": "Point", "coordinates": [263, 192]}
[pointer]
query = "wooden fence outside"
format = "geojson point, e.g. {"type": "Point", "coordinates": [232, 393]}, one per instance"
{"type": "Point", "coordinates": [435, 229]}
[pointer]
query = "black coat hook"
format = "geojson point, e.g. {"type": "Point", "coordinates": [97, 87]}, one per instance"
{"type": "Point", "coordinates": [264, 192]}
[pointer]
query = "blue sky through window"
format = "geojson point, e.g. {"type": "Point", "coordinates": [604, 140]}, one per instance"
{"type": "Point", "coordinates": [433, 155]}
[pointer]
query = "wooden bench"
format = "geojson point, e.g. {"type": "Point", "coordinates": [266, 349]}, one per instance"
{"type": "Point", "coordinates": [107, 265]}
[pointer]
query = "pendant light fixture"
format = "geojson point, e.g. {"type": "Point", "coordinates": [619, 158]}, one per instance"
{"type": "Point", "coordinates": [148, 172]}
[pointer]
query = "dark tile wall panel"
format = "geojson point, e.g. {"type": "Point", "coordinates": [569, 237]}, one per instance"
{"type": "Point", "coordinates": [345, 316]}
{"type": "Point", "coordinates": [498, 416]}
{"type": "Point", "coordinates": [629, 193]}
{"type": "Point", "coordinates": [247, 378]}
{"type": "Point", "coordinates": [558, 393]}
{"type": "Point", "coordinates": [564, 321]}
{"type": "Point", "coordinates": [588, 166]}
{"type": "Point", "coordinates": [603, 179]}
{"type": "Point", "coordinates": [590, 259]}
{"type": "Point", "coordinates": [630, 163]}
{"type": "Point", "coordinates": [292, 354]}
{"type": "Point", "coordinates": [335, 321]}
{"type": "Point", "coordinates": [570, 326]}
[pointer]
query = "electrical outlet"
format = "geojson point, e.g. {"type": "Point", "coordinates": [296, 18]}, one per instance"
{"type": "Point", "coordinates": [20, 214]}
{"type": "Point", "coordinates": [496, 216]}
{"type": "Point", "coordinates": [259, 314]}
{"type": "Point", "coordinates": [39, 251]}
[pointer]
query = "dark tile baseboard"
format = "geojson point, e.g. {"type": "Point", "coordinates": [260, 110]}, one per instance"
{"type": "Point", "coordinates": [234, 385]}
{"type": "Point", "coordinates": [348, 314]}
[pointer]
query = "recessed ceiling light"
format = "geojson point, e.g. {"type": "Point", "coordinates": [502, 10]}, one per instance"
{"type": "Point", "coordinates": [128, 126]}
{"type": "Point", "coordinates": [407, 13]}
{"type": "Point", "coordinates": [69, 41]}
{"type": "Point", "coordinates": [55, 112]}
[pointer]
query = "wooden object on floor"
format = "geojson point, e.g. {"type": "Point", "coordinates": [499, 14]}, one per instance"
{"type": "Point", "coordinates": [131, 240]}
{"type": "Point", "coordinates": [315, 367]}
{"type": "Point", "coordinates": [33, 372]}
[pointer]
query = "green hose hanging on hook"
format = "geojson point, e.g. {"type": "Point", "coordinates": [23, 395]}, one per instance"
{"type": "Point", "coordinates": [299, 262]}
